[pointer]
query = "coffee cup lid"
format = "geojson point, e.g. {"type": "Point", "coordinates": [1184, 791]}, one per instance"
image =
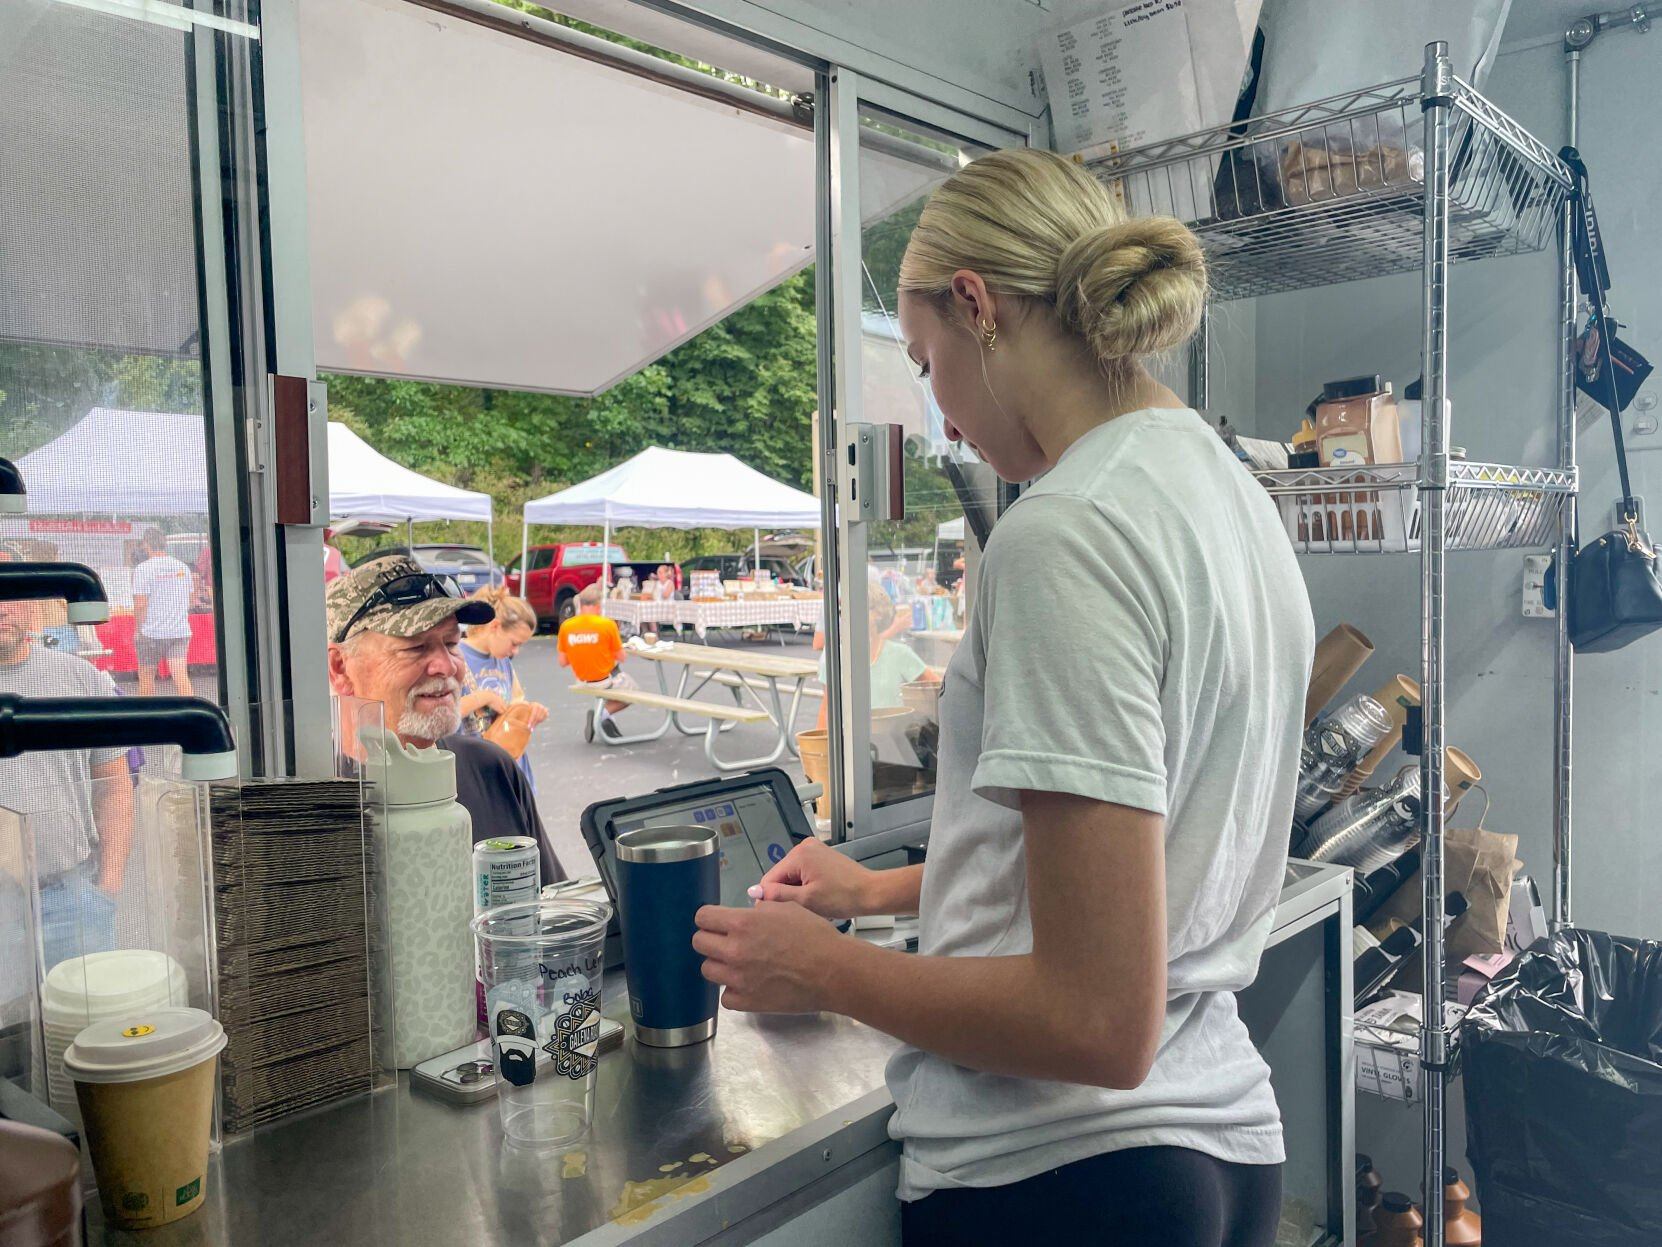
{"type": "Point", "coordinates": [148, 1043]}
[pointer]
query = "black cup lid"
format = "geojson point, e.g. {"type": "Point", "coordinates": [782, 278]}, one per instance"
{"type": "Point", "coordinates": [1396, 1201]}
{"type": "Point", "coordinates": [1363, 1162]}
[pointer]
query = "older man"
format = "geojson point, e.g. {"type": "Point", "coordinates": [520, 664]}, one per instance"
{"type": "Point", "coordinates": [394, 630]}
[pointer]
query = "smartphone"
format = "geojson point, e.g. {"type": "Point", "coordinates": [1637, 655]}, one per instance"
{"type": "Point", "coordinates": [468, 1075]}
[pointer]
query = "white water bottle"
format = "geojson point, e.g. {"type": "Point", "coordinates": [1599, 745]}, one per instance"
{"type": "Point", "coordinates": [425, 846]}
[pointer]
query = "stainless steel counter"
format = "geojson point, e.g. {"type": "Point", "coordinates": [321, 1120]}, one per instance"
{"type": "Point", "coordinates": [720, 1142]}
{"type": "Point", "coordinates": [402, 1167]}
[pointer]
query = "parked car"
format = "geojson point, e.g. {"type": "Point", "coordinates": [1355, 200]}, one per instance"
{"type": "Point", "coordinates": [558, 573]}
{"type": "Point", "coordinates": [470, 565]}
{"type": "Point", "coordinates": [737, 567]}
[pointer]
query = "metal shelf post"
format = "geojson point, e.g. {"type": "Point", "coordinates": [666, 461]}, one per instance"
{"type": "Point", "coordinates": [1437, 91]}
{"type": "Point", "coordinates": [1563, 685]}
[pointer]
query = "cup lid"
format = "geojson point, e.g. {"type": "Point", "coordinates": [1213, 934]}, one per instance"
{"type": "Point", "coordinates": [147, 1043]}
{"type": "Point", "coordinates": [665, 844]}
{"type": "Point", "coordinates": [96, 985]}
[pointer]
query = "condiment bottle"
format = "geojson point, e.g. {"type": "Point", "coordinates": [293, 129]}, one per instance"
{"type": "Point", "coordinates": [1356, 423]}
{"type": "Point", "coordinates": [1396, 1223]}
{"type": "Point", "coordinates": [1461, 1226]}
{"type": "Point", "coordinates": [1369, 1188]}
{"type": "Point", "coordinates": [1303, 453]}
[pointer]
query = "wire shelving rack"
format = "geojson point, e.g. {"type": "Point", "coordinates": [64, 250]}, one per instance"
{"type": "Point", "coordinates": [1413, 175]}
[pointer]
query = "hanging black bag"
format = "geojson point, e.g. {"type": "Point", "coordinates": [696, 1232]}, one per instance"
{"type": "Point", "coordinates": [1614, 594]}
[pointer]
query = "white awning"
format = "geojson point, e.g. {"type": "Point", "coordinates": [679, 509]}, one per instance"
{"type": "Point", "coordinates": [486, 210]}
{"type": "Point", "coordinates": [661, 488]}
{"type": "Point", "coordinates": [952, 530]}
{"type": "Point", "coordinates": [162, 468]}
{"type": "Point", "coordinates": [77, 475]}
{"type": "Point", "coordinates": [364, 482]}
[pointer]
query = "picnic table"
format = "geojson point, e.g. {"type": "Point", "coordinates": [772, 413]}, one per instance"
{"type": "Point", "coordinates": [743, 674]}
{"type": "Point", "coordinates": [732, 613]}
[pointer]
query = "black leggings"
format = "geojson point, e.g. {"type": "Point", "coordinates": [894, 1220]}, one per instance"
{"type": "Point", "coordinates": [1146, 1196]}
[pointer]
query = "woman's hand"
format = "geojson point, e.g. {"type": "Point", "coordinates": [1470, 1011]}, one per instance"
{"type": "Point", "coordinates": [818, 878]}
{"type": "Point", "coordinates": [769, 959]}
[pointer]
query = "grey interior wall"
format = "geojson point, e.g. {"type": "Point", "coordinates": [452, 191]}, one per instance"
{"type": "Point", "coordinates": [1500, 707]}
{"type": "Point", "coordinates": [1499, 663]}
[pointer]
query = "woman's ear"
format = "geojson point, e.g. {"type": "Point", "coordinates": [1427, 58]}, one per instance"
{"type": "Point", "coordinates": [972, 300]}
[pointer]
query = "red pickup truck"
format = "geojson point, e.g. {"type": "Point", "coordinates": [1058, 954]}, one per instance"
{"type": "Point", "coordinates": [558, 573]}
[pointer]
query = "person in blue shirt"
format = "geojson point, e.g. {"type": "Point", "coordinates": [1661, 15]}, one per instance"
{"type": "Point", "coordinates": [490, 685]}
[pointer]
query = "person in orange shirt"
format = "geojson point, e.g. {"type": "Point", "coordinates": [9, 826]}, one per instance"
{"type": "Point", "coordinates": [591, 647]}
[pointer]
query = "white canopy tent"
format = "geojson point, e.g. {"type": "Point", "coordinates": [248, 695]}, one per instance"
{"type": "Point", "coordinates": [366, 484]}
{"type": "Point", "coordinates": [661, 488]}
{"type": "Point", "coordinates": [76, 475]}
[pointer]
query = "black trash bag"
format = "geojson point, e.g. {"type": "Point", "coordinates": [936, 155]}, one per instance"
{"type": "Point", "coordinates": [1563, 1080]}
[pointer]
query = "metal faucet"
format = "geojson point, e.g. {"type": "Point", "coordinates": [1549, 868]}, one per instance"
{"type": "Point", "coordinates": [77, 585]}
{"type": "Point", "coordinates": [198, 727]}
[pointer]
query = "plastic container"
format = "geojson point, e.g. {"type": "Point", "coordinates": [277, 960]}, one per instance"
{"type": "Point", "coordinates": [1332, 748]}
{"type": "Point", "coordinates": [664, 876]}
{"type": "Point", "coordinates": [542, 964]}
{"type": "Point", "coordinates": [426, 850]}
{"type": "Point", "coordinates": [1398, 697]}
{"type": "Point", "coordinates": [1396, 1223]}
{"type": "Point", "coordinates": [145, 1081]}
{"type": "Point", "coordinates": [1371, 828]}
{"type": "Point", "coordinates": [1357, 423]}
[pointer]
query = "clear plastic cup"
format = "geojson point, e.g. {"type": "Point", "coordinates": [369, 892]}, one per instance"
{"type": "Point", "coordinates": [541, 964]}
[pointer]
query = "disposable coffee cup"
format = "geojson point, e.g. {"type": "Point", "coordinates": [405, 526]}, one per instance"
{"type": "Point", "coordinates": [664, 876]}
{"type": "Point", "coordinates": [145, 1084]}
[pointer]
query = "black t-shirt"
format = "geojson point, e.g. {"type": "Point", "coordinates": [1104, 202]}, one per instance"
{"type": "Point", "coordinates": [498, 797]}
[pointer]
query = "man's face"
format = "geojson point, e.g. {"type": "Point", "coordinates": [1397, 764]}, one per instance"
{"type": "Point", "coordinates": [416, 678]}
{"type": "Point", "coordinates": [17, 623]}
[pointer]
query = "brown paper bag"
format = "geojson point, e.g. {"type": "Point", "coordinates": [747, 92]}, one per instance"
{"type": "Point", "coordinates": [1477, 863]}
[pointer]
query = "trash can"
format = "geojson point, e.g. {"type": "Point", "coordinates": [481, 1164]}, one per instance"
{"type": "Point", "coordinates": [1563, 1083]}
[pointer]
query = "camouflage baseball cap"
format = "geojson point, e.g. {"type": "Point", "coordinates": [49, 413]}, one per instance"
{"type": "Point", "coordinates": [348, 594]}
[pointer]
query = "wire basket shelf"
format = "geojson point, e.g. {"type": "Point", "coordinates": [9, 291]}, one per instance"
{"type": "Point", "coordinates": [1376, 509]}
{"type": "Point", "coordinates": [1335, 191]}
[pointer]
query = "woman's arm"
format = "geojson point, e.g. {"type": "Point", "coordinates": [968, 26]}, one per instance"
{"type": "Point", "coordinates": [1086, 1005]}
{"type": "Point", "coordinates": [471, 702]}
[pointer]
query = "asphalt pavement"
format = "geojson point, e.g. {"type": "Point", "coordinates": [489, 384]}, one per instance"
{"type": "Point", "coordinates": [571, 774]}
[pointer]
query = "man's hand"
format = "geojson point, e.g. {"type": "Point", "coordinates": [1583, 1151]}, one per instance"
{"type": "Point", "coordinates": [770, 959]}
{"type": "Point", "coordinates": [820, 879]}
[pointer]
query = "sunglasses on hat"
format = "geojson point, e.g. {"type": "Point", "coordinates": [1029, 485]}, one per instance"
{"type": "Point", "coordinates": [403, 591]}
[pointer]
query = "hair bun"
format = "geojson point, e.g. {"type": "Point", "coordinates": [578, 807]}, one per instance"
{"type": "Point", "coordinates": [1131, 289]}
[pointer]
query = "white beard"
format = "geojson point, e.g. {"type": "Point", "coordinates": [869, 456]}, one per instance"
{"type": "Point", "coordinates": [431, 724]}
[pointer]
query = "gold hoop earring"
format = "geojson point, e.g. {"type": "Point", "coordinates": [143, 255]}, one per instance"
{"type": "Point", "coordinates": [989, 337]}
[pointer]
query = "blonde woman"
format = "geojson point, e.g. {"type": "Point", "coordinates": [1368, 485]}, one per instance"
{"type": "Point", "coordinates": [490, 684]}
{"type": "Point", "coordinates": [1111, 816]}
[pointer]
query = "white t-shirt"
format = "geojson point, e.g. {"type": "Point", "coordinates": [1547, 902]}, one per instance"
{"type": "Point", "coordinates": [165, 582]}
{"type": "Point", "coordinates": [1141, 635]}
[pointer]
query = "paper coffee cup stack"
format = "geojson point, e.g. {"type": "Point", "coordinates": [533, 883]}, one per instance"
{"type": "Point", "coordinates": [145, 1082]}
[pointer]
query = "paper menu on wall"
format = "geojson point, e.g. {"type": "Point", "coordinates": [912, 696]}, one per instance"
{"type": "Point", "coordinates": [1122, 78]}
{"type": "Point", "coordinates": [1145, 72]}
